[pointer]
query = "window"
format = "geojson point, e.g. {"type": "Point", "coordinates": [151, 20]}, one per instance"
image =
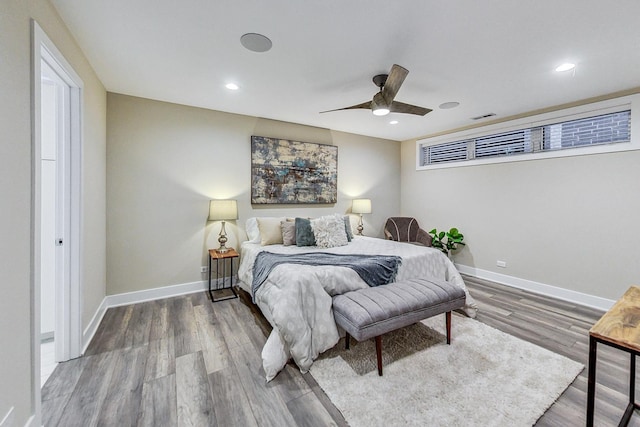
{"type": "Point", "coordinates": [596, 130]}
{"type": "Point", "coordinates": [604, 129]}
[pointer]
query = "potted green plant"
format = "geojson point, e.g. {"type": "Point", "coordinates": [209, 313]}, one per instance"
{"type": "Point", "coordinates": [447, 241]}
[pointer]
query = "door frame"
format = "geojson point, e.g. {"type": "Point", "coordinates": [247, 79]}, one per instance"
{"type": "Point", "coordinates": [69, 314]}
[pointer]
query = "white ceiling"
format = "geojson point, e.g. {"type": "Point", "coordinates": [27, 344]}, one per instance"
{"type": "Point", "coordinates": [493, 56]}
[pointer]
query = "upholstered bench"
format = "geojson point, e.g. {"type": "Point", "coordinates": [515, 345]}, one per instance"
{"type": "Point", "coordinates": [371, 312]}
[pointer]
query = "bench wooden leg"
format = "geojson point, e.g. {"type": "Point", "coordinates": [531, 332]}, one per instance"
{"type": "Point", "coordinates": [346, 341]}
{"type": "Point", "coordinates": [448, 316]}
{"type": "Point", "coordinates": [379, 353]}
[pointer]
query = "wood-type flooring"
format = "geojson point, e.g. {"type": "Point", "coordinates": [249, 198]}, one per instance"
{"type": "Point", "coordinates": [184, 361]}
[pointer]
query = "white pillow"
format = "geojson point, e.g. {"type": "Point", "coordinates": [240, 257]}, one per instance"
{"type": "Point", "coordinates": [275, 355]}
{"type": "Point", "coordinates": [253, 233]}
{"type": "Point", "coordinates": [270, 231]}
{"type": "Point", "coordinates": [329, 231]}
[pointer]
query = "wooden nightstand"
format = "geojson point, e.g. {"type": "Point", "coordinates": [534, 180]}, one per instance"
{"type": "Point", "coordinates": [618, 328]}
{"type": "Point", "coordinates": [231, 254]}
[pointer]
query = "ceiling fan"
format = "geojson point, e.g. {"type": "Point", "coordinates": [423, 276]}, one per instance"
{"type": "Point", "coordinates": [382, 102]}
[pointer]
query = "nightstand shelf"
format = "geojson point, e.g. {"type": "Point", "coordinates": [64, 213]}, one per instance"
{"type": "Point", "coordinates": [230, 255]}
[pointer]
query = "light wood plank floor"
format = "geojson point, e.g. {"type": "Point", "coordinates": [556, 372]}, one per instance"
{"type": "Point", "coordinates": [186, 362]}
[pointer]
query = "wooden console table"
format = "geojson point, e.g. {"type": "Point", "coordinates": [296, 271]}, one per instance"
{"type": "Point", "coordinates": [620, 328]}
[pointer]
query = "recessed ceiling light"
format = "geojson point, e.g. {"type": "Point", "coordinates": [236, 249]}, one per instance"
{"type": "Point", "coordinates": [256, 42]}
{"type": "Point", "coordinates": [232, 86]}
{"type": "Point", "coordinates": [567, 66]}
{"type": "Point", "coordinates": [448, 105]}
{"type": "Point", "coordinates": [393, 122]}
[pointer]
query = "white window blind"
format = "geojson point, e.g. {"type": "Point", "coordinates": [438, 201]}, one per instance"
{"type": "Point", "coordinates": [451, 152]}
{"type": "Point", "coordinates": [602, 129]}
{"type": "Point", "coordinates": [504, 144]}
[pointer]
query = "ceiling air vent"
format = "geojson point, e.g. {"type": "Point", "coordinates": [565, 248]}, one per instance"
{"type": "Point", "coordinates": [484, 116]}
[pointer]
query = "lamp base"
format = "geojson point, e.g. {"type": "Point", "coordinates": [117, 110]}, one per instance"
{"type": "Point", "coordinates": [360, 227]}
{"type": "Point", "coordinates": [222, 239]}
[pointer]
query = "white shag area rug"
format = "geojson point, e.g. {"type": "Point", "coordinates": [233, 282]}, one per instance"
{"type": "Point", "coordinates": [484, 378]}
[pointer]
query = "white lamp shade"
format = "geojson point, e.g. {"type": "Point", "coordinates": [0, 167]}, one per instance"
{"type": "Point", "coordinates": [361, 206]}
{"type": "Point", "coordinates": [223, 210]}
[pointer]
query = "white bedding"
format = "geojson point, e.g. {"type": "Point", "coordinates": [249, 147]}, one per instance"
{"type": "Point", "coordinates": [296, 299]}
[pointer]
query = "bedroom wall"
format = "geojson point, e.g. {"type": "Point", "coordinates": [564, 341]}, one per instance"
{"type": "Point", "coordinates": [166, 161]}
{"type": "Point", "coordinates": [17, 352]}
{"type": "Point", "coordinates": [567, 222]}
{"type": "Point", "coordinates": [15, 187]}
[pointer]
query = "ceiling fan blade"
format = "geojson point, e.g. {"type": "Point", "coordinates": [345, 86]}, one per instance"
{"type": "Point", "coordinates": [393, 83]}
{"type": "Point", "coordinates": [365, 105]}
{"type": "Point", "coordinates": [400, 107]}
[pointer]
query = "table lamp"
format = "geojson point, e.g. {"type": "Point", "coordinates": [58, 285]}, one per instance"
{"type": "Point", "coordinates": [223, 210]}
{"type": "Point", "coordinates": [361, 206]}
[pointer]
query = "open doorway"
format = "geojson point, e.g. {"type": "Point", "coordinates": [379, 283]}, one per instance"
{"type": "Point", "coordinates": [56, 218]}
{"type": "Point", "coordinates": [54, 125]}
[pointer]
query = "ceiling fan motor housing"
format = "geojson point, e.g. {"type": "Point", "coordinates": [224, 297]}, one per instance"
{"type": "Point", "coordinates": [380, 79]}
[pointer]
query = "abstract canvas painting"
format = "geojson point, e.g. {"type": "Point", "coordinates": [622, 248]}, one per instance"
{"type": "Point", "coordinates": [291, 172]}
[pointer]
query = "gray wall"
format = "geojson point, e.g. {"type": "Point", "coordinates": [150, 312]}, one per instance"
{"type": "Point", "coordinates": [16, 377]}
{"type": "Point", "coordinates": [567, 222]}
{"type": "Point", "coordinates": [166, 161]}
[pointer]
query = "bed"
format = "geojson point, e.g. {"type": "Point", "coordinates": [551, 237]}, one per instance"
{"type": "Point", "coordinates": [296, 299]}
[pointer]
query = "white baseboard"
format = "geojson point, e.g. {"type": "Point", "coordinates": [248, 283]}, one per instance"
{"type": "Point", "coordinates": [539, 288]}
{"type": "Point", "coordinates": [9, 419]}
{"type": "Point", "coordinates": [33, 422]}
{"type": "Point", "coordinates": [137, 297]}
{"type": "Point", "coordinates": [155, 293]}
{"type": "Point", "coordinates": [91, 329]}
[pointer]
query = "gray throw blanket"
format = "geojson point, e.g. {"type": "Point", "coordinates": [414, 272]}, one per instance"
{"type": "Point", "coordinates": [375, 270]}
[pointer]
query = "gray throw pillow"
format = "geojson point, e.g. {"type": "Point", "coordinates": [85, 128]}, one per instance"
{"type": "Point", "coordinates": [347, 228]}
{"type": "Point", "coordinates": [288, 233]}
{"type": "Point", "coordinates": [304, 233]}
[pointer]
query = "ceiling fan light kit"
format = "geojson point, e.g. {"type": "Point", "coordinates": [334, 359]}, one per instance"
{"type": "Point", "coordinates": [383, 102]}
{"type": "Point", "coordinates": [379, 105]}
